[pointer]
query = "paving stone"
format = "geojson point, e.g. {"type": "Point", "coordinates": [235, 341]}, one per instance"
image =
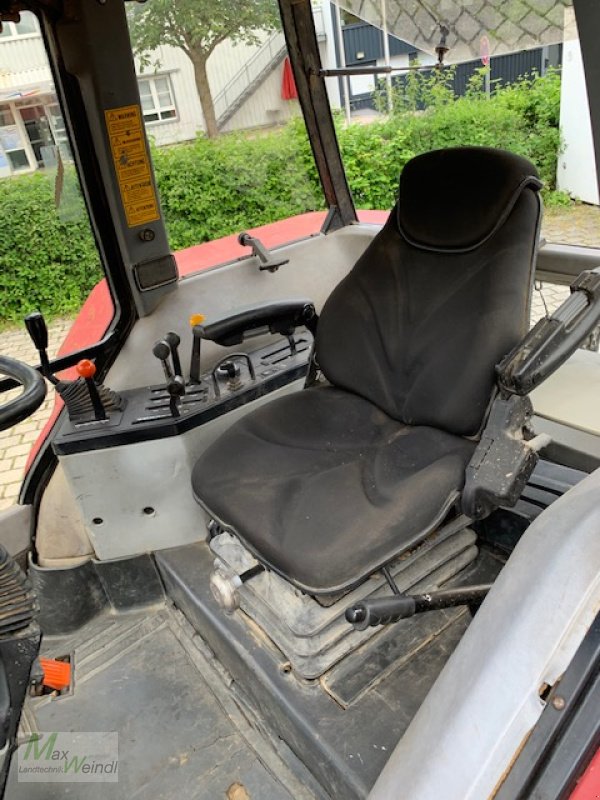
{"type": "Point", "coordinates": [20, 461]}
{"type": "Point", "coordinates": [17, 450]}
{"type": "Point", "coordinates": [9, 477]}
{"type": "Point", "coordinates": [12, 489]}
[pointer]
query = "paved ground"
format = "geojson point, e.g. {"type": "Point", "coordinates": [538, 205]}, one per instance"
{"type": "Point", "coordinates": [577, 225]}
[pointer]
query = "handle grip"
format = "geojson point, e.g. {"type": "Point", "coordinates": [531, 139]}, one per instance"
{"type": "Point", "coordinates": [280, 316]}
{"type": "Point", "coordinates": [380, 611]}
{"type": "Point", "coordinates": [37, 330]}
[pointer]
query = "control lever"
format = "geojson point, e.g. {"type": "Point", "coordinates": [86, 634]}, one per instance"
{"type": "Point", "coordinates": [37, 330]}
{"type": "Point", "coordinates": [175, 383]}
{"type": "Point", "coordinates": [173, 340]}
{"type": "Point", "coordinates": [267, 260]}
{"type": "Point", "coordinates": [176, 389]}
{"type": "Point", "coordinates": [162, 351]}
{"type": "Point", "coordinates": [86, 369]}
{"type": "Point", "coordinates": [196, 321]}
{"type": "Point", "coordinates": [385, 610]}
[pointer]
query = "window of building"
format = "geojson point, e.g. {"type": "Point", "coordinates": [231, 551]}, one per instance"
{"type": "Point", "coordinates": [58, 129]}
{"type": "Point", "coordinates": [26, 27]}
{"type": "Point", "coordinates": [11, 142]}
{"type": "Point", "coordinates": [158, 102]}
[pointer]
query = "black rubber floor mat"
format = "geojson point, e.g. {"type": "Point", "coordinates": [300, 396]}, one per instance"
{"type": "Point", "coordinates": [134, 675]}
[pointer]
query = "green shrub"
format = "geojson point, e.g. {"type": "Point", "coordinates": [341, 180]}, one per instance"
{"type": "Point", "coordinates": [45, 262]}
{"type": "Point", "coordinates": [213, 187]}
{"type": "Point", "coordinates": [522, 117]}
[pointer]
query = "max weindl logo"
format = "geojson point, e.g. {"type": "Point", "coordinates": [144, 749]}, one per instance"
{"type": "Point", "coordinates": [69, 757]}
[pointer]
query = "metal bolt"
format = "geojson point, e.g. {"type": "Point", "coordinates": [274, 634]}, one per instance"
{"type": "Point", "coordinates": [558, 702]}
{"type": "Point", "coordinates": [146, 234]}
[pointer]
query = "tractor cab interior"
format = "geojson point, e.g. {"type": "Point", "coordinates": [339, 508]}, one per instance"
{"type": "Point", "coordinates": [306, 497]}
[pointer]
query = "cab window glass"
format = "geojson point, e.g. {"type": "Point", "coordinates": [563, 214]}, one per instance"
{"type": "Point", "coordinates": [220, 107]}
{"type": "Point", "coordinates": [48, 257]}
{"type": "Point", "coordinates": [512, 78]}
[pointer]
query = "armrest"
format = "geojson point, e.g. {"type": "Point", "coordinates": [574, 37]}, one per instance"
{"type": "Point", "coordinates": [550, 343]}
{"type": "Point", "coordinates": [503, 459]}
{"type": "Point", "coordinates": [279, 316]}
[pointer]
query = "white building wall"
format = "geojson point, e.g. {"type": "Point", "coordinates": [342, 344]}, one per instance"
{"type": "Point", "coordinates": [23, 62]}
{"type": "Point", "coordinates": [173, 62]}
{"type": "Point", "coordinates": [576, 172]}
{"type": "Point", "coordinates": [265, 106]}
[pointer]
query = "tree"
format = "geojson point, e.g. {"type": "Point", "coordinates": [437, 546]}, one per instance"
{"type": "Point", "coordinates": [197, 27]}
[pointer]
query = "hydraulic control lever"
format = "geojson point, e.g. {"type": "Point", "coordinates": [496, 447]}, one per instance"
{"type": "Point", "coordinates": [86, 369]}
{"type": "Point", "coordinates": [162, 351]}
{"type": "Point", "coordinates": [385, 610]}
{"type": "Point", "coordinates": [196, 321]}
{"type": "Point", "coordinates": [176, 390]}
{"type": "Point", "coordinates": [38, 331]}
{"type": "Point", "coordinates": [175, 382]}
{"type": "Point", "coordinates": [173, 340]}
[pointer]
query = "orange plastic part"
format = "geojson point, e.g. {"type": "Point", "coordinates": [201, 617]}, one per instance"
{"type": "Point", "coordinates": [197, 319]}
{"type": "Point", "coordinates": [86, 368]}
{"type": "Point", "coordinates": [57, 674]}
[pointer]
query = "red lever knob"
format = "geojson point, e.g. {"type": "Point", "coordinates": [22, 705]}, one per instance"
{"type": "Point", "coordinates": [86, 368]}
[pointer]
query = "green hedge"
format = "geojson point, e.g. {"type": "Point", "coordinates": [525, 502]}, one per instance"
{"type": "Point", "coordinates": [211, 188]}
{"type": "Point", "coordinates": [47, 262]}
{"type": "Point", "coordinates": [523, 118]}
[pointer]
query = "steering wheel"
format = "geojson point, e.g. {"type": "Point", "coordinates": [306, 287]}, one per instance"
{"type": "Point", "coordinates": [30, 399]}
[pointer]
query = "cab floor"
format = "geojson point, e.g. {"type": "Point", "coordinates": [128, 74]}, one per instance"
{"type": "Point", "coordinates": [151, 679]}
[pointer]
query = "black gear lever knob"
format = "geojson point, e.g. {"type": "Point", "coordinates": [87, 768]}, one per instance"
{"type": "Point", "coordinates": [37, 330]}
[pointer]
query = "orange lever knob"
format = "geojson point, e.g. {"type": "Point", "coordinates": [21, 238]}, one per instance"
{"type": "Point", "coordinates": [196, 319]}
{"type": "Point", "coordinates": [86, 368]}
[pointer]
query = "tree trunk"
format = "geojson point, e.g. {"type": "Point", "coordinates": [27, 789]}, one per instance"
{"type": "Point", "coordinates": [206, 101]}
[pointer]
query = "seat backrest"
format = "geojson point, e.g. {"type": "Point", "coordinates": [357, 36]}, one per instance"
{"type": "Point", "coordinates": [441, 293]}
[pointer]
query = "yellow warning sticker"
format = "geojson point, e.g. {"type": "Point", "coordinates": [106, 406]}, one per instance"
{"type": "Point", "coordinates": [132, 164]}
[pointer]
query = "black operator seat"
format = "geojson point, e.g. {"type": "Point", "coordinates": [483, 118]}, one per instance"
{"type": "Point", "coordinates": [326, 485]}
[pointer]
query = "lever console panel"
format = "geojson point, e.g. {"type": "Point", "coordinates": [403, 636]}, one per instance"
{"type": "Point", "coordinates": [150, 412]}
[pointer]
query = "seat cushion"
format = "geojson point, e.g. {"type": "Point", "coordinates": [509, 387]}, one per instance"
{"type": "Point", "coordinates": [325, 488]}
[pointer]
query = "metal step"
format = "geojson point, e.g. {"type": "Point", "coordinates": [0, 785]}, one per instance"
{"type": "Point", "coordinates": [247, 80]}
